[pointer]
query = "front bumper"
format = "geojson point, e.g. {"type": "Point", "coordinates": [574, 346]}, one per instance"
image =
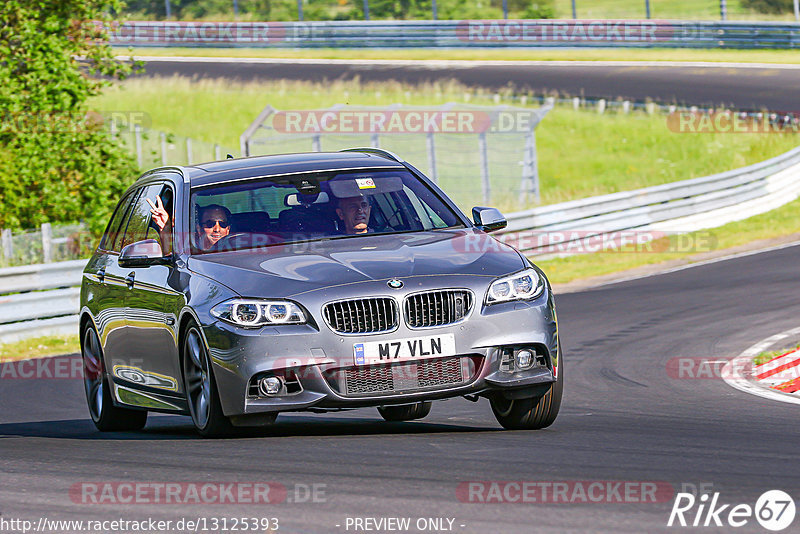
{"type": "Point", "coordinates": [322, 361]}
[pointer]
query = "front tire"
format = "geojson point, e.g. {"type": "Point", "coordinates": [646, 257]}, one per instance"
{"type": "Point", "coordinates": [532, 413]}
{"type": "Point", "coordinates": [406, 412]}
{"type": "Point", "coordinates": [201, 388]}
{"type": "Point", "coordinates": [105, 416]}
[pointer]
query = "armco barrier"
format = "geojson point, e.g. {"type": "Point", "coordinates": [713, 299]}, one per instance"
{"type": "Point", "coordinates": [676, 207]}
{"type": "Point", "coordinates": [460, 33]}
{"type": "Point", "coordinates": [683, 206]}
{"type": "Point", "coordinates": [26, 310]}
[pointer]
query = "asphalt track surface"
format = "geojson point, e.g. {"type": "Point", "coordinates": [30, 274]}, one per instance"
{"type": "Point", "coordinates": [746, 88]}
{"type": "Point", "coordinates": [624, 418]}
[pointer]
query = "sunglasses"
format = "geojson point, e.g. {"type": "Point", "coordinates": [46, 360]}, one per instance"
{"type": "Point", "coordinates": [211, 223]}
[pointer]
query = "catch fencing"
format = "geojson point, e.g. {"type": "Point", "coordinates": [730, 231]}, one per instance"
{"type": "Point", "coordinates": [460, 34]}
{"type": "Point", "coordinates": [472, 152]}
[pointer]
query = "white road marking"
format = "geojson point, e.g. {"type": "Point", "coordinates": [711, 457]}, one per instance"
{"type": "Point", "coordinates": [466, 63]}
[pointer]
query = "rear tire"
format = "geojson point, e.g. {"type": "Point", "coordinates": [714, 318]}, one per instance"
{"type": "Point", "coordinates": [201, 388]}
{"type": "Point", "coordinates": [533, 413]}
{"type": "Point", "coordinates": [406, 412]}
{"type": "Point", "coordinates": [105, 416]}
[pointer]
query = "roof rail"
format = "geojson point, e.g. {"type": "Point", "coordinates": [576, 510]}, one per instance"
{"type": "Point", "coordinates": [180, 170]}
{"type": "Point", "coordinates": [377, 151]}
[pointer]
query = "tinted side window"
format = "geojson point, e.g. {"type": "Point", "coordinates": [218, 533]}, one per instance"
{"type": "Point", "coordinates": [163, 236]}
{"type": "Point", "coordinates": [117, 224]}
{"type": "Point", "coordinates": [140, 215]}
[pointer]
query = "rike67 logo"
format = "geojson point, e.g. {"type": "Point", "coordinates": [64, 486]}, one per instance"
{"type": "Point", "coordinates": [774, 510]}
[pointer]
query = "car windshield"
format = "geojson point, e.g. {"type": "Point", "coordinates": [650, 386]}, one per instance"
{"type": "Point", "coordinates": [288, 209]}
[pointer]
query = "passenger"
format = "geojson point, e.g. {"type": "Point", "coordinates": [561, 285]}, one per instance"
{"type": "Point", "coordinates": [354, 212]}
{"type": "Point", "coordinates": [213, 222]}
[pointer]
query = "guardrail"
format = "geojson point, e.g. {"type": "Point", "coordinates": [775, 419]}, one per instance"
{"type": "Point", "coordinates": [460, 33]}
{"type": "Point", "coordinates": [682, 206]}
{"type": "Point", "coordinates": [32, 312]}
{"type": "Point", "coordinates": [678, 207]}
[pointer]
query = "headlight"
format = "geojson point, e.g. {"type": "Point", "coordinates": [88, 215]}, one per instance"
{"type": "Point", "coordinates": [252, 312]}
{"type": "Point", "coordinates": [525, 285]}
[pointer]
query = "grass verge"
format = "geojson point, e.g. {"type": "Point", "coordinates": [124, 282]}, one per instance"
{"type": "Point", "coordinates": [617, 152]}
{"type": "Point", "coordinates": [485, 54]}
{"type": "Point", "coordinates": [692, 247]}
{"type": "Point", "coordinates": [39, 347]}
{"type": "Point", "coordinates": [764, 357]}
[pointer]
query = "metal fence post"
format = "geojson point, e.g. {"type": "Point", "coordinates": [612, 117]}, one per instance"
{"type": "Point", "coordinates": [188, 150]}
{"type": "Point", "coordinates": [217, 152]}
{"type": "Point", "coordinates": [430, 143]}
{"type": "Point", "coordinates": [723, 9]}
{"type": "Point", "coordinates": [574, 10]}
{"type": "Point", "coordinates": [300, 10]}
{"type": "Point", "coordinates": [374, 141]}
{"type": "Point", "coordinates": [366, 9]}
{"type": "Point", "coordinates": [163, 148]}
{"type": "Point", "coordinates": [486, 188]}
{"type": "Point", "coordinates": [530, 170]}
{"type": "Point", "coordinates": [138, 131]}
{"type": "Point", "coordinates": [8, 243]}
{"type": "Point", "coordinates": [626, 107]}
{"type": "Point", "coordinates": [435, 11]}
{"type": "Point", "coordinates": [647, 7]}
{"type": "Point", "coordinates": [316, 143]}
{"type": "Point", "coordinates": [505, 9]}
{"type": "Point", "coordinates": [47, 243]}
{"type": "Point", "coordinates": [797, 10]}
{"type": "Point", "coordinates": [601, 106]}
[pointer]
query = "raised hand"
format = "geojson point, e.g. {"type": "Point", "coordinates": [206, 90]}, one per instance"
{"type": "Point", "coordinates": [160, 215]}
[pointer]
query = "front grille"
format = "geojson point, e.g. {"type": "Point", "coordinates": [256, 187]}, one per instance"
{"type": "Point", "coordinates": [437, 308]}
{"type": "Point", "coordinates": [404, 377]}
{"type": "Point", "coordinates": [362, 316]}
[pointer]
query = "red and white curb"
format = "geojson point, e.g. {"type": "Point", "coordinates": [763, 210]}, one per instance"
{"type": "Point", "coordinates": [777, 379]}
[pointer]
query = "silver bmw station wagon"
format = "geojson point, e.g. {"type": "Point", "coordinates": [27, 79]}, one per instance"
{"type": "Point", "coordinates": [236, 290]}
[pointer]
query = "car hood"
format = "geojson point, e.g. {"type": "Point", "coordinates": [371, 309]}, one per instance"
{"type": "Point", "coordinates": [283, 271]}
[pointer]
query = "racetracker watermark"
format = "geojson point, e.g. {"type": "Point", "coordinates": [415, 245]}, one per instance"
{"type": "Point", "coordinates": [196, 32]}
{"type": "Point", "coordinates": [589, 242]}
{"type": "Point", "coordinates": [565, 492]}
{"type": "Point", "coordinates": [177, 493]}
{"type": "Point", "coordinates": [61, 367]}
{"type": "Point", "coordinates": [564, 31]}
{"type": "Point", "coordinates": [394, 121]}
{"type": "Point", "coordinates": [54, 122]}
{"type": "Point", "coordinates": [729, 122]}
{"type": "Point", "coordinates": [705, 368]}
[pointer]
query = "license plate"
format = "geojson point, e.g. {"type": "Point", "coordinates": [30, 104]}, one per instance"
{"type": "Point", "coordinates": [403, 350]}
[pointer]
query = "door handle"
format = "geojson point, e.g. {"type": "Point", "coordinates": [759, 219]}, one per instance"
{"type": "Point", "coordinates": [130, 279]}
{"type": "Point", "coordinates": [101, 274]}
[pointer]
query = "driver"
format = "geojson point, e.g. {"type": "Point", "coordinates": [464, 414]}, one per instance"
{"type": "Point", "coordinates": [354, 212]}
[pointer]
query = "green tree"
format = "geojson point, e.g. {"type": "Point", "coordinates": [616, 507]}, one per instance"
{"type": "Point", "coordinates": [57, 162]}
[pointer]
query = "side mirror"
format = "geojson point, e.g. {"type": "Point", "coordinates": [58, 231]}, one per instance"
{"type": "Point", "coordinates": [488, 219]}
{"type": "Point", "coordinates": [142, 254]}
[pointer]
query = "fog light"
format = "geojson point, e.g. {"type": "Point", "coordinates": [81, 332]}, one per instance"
{"type": "Point", "coordinates": [524, 359]}
{"type": "Point", "coordinates": [270, 385]}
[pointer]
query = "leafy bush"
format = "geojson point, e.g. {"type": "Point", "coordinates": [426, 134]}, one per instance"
{"type": "Point", "coordinates": [57, 163]}
{"type": "Point", "coordinates": [769, 6]}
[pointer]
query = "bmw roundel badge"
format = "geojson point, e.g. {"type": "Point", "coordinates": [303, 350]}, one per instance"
{"type": "Point", "coordinates": [394, 283]}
